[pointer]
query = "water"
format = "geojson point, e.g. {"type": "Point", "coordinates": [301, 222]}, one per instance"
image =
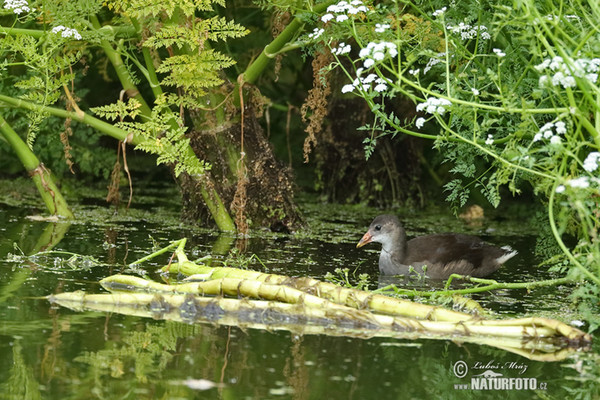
{"type": "Point", "coordinates": [50, 352]}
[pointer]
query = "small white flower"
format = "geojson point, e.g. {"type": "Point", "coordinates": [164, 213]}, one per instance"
{"type": "Point", "coordinates": [17, 6]}
{"type": "Point", "coordinates": [370, 78]}
{"type": "Point", "coordinates": [434, 105]}
{"type": "Point", "coordinates": [556, 140]}
{"type": "Point", "coordinates": [560, 188]}
{"type": "Point", "coordinates": [316, 33]}
{"type": "Point", "coordinates": [378, 56]}
{"type": "Point", "coordinates": [414, 72]}
{"type": "Point", "coordinates": [66, 32]}
{"type": "Point", "coordinates": [499, 52]}
{"type": "Point", "coordinates": [433, 61]}
{"type": "Point", "coordinates": [582, 182]}
{"type": "Point", "coordinates": [565, 71]}
{"type": "Point", "coordinates": [341, 18]}
{"type": "Point", "coordinates": [545, 64]}
{"type": "Point", "coordinates": [538, 136]}
{"type": "Point", "coordinates": [561, 127]}
{"type": "Point", "coordinates": [347, 88]}
{"type": "Point", "coordinates": [475, 92]}
{"type": "Point", "coordinates": [489, 140]}
{"type": "Point", "coordinates": [380, 28]}
{"type": "Point", "coordinates": [369, 62]}
{"type": "Point", "coordinates": [327, 17]}
{"type": "Point", "coordinates": [420, 122]}
{"type": "Point", "coordinates": [592, 161]}
{"type": "Point", "coordinates": [365, 51]}
{"type": "Point", "coordinates": [380, 87]}
{"type": "Point", "coordinates": [342, 48]}
{"type": "Point", "coordinates": [439, 12]}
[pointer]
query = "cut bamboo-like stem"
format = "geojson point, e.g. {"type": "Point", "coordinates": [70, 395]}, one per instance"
{"type": "Point", "coordinates": [523, 327]}
{"type": "Point", "coordinates": [350, 297]}
{"type": "Point", "coordinates": [300, 317]}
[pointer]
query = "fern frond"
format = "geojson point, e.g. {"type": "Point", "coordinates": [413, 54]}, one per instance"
{"type": "Point", "coordinates": [141, 9]}
{"type": "Point", "coordinates": [216, 28]}
{"type": "Point", "coordinates": [119, 110]}
{"type": "Point", "coordinates": [195, 72]}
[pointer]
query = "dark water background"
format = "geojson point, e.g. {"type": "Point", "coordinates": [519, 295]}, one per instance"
{"type": "Point", "coordinates": [49, 352]}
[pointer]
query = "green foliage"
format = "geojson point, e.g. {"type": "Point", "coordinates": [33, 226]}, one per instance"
{"type": "Point", "coordinates": [164, 135]}
{"type": "Point", "coordinates": [195, 72]}
{"type": "Point", "coordinates": [119, 110]}
{"type": "Point", "coordinates": [141, 9]}
{"type": "Point", "coordinates": [508, 94]}
{"type": "Point", "coordinates": [342, 277]}
{"type": "Point", "coordinates": [215, 28]}
{"type": "Point", "coordinates": [42, 65]}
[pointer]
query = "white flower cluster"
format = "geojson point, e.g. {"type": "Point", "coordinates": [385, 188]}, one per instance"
{"type": "Point", "coordinates": [434, 61]}
{"type": "Point", "coordinates": [17, 6]}
{"type": "Point", "coordinates": [550, 17]}
{"type": "Point", "coordinates": [499, 52]}
{"type": "Point", "coordinates": [364, 84]}
{"type": "Point", "coordinates": [342, 48]}
{"type": "Point", "coordinates": [439, 12]}
{"type": "Point", "coordinates": [380, 28]}
{"type": "Point", "coordinates": [592, 161]}
{"type": "Point", "coordinates": [343, 9]}
{"type": "Point", "coordinates": [66, 32]}
{"type": "Point", "coordinates": [377, 52]}
{"type": "Point", "coordinates": [467, 31]}
{"type": "Point", "coordinates": [551, 130]}
{"type": "Point", "coordinates": [434, 105]}
{"type": "Point", "coordinates": [316, 33]}
{"type": "Point", "coordinates": [420, 122]}
{"type": "Point", "coordinates": [583, 182]}
{"type": "Point", "coordinates": [438, 58]}
{"type": "Point", "coordinates": [489, 140]}
{"type": "Point", "coordinates": [565, 72]}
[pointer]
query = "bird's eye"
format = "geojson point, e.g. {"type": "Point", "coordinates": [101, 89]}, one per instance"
{"type": "Point", "coordinates": [378, 227]}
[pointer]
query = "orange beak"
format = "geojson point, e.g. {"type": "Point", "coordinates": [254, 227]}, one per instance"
{"type": "Point", "coordinates": [367, 238]}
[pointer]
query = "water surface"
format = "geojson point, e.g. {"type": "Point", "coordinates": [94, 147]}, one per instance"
{"type": "Point", "coordinates": [49, 352]}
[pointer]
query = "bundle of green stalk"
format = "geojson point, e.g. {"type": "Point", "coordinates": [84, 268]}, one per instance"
{"type": "Point", "coordinates": [230, 296]}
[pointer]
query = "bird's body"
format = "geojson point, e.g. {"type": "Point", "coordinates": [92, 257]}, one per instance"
{"type": "Point", "coordinates": [436, 256]}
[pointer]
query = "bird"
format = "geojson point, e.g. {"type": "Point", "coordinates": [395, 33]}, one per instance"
{"type": "Point", "coordinates": [435, 256]}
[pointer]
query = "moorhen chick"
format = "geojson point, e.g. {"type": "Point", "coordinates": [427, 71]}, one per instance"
{"type": "Point", "coordinates": [436, 256]}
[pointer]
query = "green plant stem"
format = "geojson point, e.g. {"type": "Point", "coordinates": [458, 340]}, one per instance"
{"type": "Point", "coordinates": [253, 71]}
{"type": "Point", "coordinates": [210, 196]}
{"type": "Point", "coordinates": [559, 241]}
{"type": "Point", "coordinates": [122, 72]}
{"type": "Point", "coordinates": [490, 285]}
{"type": "Point", "coordinates": [117, 31]}
{"type": "Point", "coordinates": [104, 127]}
{"type": "Point", "coordinates": [176, 244]}
{"type": "Point", "coordinates": [53, 199]}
